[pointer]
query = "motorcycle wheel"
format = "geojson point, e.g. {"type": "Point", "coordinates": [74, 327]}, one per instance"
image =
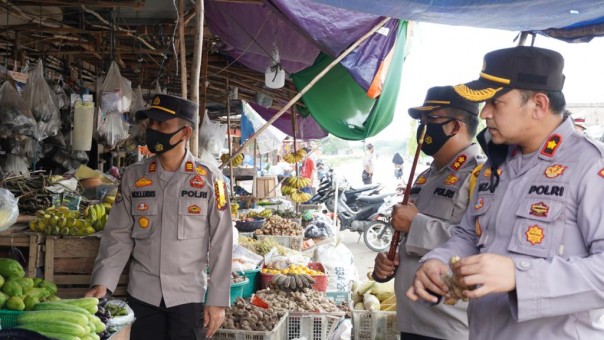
{"type": "Point", "coordinates": [378, 236]}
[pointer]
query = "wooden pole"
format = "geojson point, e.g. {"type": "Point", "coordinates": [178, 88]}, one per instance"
{"type": "Point", "coordinates": [199, 10]}
{"type": "Point", "coordinates": [307, 87]}
{"type": "Point", "coordinates": [228, 112]}
{"type": "Point", "coordinates": [183, 49]}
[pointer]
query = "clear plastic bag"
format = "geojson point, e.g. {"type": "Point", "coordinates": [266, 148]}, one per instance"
{"type": "Point", "coordinates": [138, 103]}
{"type": "Point", "coordinates": [113, 130]}
{"type": "Point", "coordinates": [9, 209]}
{"type": "Point", "coordinates": [15, 116]}
{"type": "Point", "coordinates": [15, 165]}
{"type": "Point", "coordinates": [42, 102]}
{"type": "Point", "coordinates": [116, 92]}
{"type": "Point", "coordinates": [212, 136]}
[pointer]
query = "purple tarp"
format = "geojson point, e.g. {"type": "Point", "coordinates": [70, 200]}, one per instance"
{"type": "Point", "coordinates": [307, 127]}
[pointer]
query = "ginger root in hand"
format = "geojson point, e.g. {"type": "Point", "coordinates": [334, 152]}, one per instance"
{"type": "Point", "coordinates": [456, 288]}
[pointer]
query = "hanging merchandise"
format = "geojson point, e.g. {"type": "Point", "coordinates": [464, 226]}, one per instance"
{"type": "Point", "coordinates": [83, 124]}
{"type": "Point", "coordinates": [14, 165]}
{"type": "Point", "coordinates": [116, 92]}
{"type": "Point", "coordinates": [212, 136]}
{"type": "Point", "coordinates": [15, 116]}
{"type": "Point", "coordinates": [269, 140]}
{"type": "Point", "coordinates": [116, 97]}
{"type": "Point", "coordinates": [9, 209]}
{"type": "Point", "coordinates": [274, 76]}
{"type": "Point", "coordinates": [138, 103]}
{"type": "Point", "coordinates": [41, 100]}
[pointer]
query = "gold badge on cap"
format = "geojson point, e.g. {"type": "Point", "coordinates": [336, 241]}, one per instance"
{"type": "Point", "coordinates": [156, 101]}
{"type": "Point", "coordinates": [534, 234]}
{"type": "Point", "coordinates": [159, 147]}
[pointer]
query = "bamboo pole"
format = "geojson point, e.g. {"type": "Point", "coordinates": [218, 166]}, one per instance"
{"type": "Point", "coordinates": [307, 87]}
{"type": "Point", "coordinates": [183, 49]}
{"type": "Point", "coordinates": [199, 10]}
{"type": "Point", "coordinates": [228, 111]}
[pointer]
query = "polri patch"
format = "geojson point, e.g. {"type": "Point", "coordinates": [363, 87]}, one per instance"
{"type": "Point", "coordinates": [451, 180]}
{"type": "Point", "coordinates": [534, 234]}
{"type": "Point", "coordinates": [143, 182]}
{"type": "Point", "coordinates": [194, 209]}
{"type": "Point", "coordinates": [554, 171]}
{"type": "Point", "coordinates": [220, 193]}
{"type": "Point", "coordinates": [539, 209]}
{"type": "Point", "coordinates": [421, 180]}
{"type": "Point", "coordinates": [459, 162]}
{"type": "Point", "coordinates": [197, 182]}
{"type": "Point", "coordinates": [142, 207]}
{"type": "Point", "coordinates": [551, 145]}
{"type": "Point", "coordinates": [152, 167]}
{"type": "Point", "coordinates": [189, 166]}
{"type": "Point", "coordinates": [143, 222]}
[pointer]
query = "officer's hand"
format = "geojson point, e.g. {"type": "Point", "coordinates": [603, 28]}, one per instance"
{"type": "Point", "coordinates": [402, 215]}
{"type": "Point", "coordinates": [428, 277]}
{"type": "Point", "coordinates": [492, 273]}
{"type": "Point", "coordinates": [98, 291]}
{"type": "Point", "coordinates": [384, 267]}
{"type": "Point", "coordinates": [213, 317]}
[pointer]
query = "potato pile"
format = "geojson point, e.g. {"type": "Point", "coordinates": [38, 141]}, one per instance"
{"type": "Point", "coordinates": [279, 226]}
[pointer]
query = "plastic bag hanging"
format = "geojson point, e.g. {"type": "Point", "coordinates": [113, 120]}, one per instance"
{"type": "Point", "coordinates": [138, 103]}
{"type": "Point", "coordinates": [116, 91]}
{"type": "Point", "coordinates": [42, 102]}
{"type": "Point", "coordinates": [9, 209]}
{"type": "Point", "coordinates": [15, 116]}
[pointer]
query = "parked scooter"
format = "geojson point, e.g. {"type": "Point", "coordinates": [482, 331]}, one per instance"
{"type": "Point", "coordinates": [378, 234]}
{"type": "Point", "coordinates": [327, 189]}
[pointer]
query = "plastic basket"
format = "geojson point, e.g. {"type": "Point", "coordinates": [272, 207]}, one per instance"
{"type": "Point", "coordinates": [253, 276]}
{"type": "Point", "coordinates": [237, 289]}
{"type": "Point", "coordinates": [8, 318]}
{"type": "Point", "coordinates": [278, 333]}
{"type": "Point", "coordinates": [370, 325]}
{"type": "Point", "coordinates": [320, 280]}
{"type": "Point", "coordinates": [312, 326]}
{"type": "Point", "coordinates": [292, 242]}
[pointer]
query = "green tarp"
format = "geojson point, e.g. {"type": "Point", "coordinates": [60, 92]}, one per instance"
{"type": "Point", "coordinates": [341, 106]}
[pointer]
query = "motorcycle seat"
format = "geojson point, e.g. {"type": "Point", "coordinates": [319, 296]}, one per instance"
{"type": "Point", "coordinates": [373, 199]}
{"type": "Point", "coordinates": [370, 187]}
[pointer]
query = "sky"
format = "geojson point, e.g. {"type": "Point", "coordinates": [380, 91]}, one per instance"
{"type": "Point", "coordinates": [449, 55]}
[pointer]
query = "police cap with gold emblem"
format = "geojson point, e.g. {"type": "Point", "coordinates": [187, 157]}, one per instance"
{"type": "Point", "coordinates": [164, 107]}
{"type": "Point", "coordinates": [521, 67]}
{"type": "Point", "coordinates": [440, 97]}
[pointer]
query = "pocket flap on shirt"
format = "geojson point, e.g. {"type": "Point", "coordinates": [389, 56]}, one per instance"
{"type": "Point", "coordinates": [539, 209]}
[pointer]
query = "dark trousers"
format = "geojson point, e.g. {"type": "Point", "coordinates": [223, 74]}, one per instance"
{"type": "Point", "coordinates": [184, 322]}
{"type": "Point", "coordinates": [410, 336]}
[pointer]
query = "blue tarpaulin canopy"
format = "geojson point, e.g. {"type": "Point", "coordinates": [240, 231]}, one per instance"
{"type": "Point", "coordinates": [569, 20]}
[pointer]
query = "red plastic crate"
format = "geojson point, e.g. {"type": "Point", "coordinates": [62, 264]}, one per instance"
{"type": "Point", "coordinates": [320, 280]}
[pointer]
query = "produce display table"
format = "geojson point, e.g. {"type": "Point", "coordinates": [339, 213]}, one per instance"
{"type": "Point", "coordinates": [122, 334]}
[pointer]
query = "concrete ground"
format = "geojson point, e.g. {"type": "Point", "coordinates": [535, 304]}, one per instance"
{"type": "Point", "coordinates": [363, 256]}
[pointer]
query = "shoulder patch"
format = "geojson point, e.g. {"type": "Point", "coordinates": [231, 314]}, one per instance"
{"type": "Point", "coordinates": [421, 180]}
{"type": "Point", "coordinates": [152, 166]}
{"type": "Point", "coordinates": [459, 162]}
{"type": "Point", "coordinates": [551, 145]}
{"type": "Point", "coordinates": [189, 166]}
{"type": "Point", "coordinates": [220, 193]}
{"type": "Point", "coordinates": [601, 173]}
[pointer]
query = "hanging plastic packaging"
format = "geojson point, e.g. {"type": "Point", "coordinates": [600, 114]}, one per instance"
{"type": "Point", "coordinates": [43, 104]}
{"type": "Point", "coordinates": [9, 209]}
{"type": "Point", "coordinates": [138, 103]}
{"type": "Point", "coordinates": [83, 126]}
{"type": "Point", "coordinates": [15, 116]}
{"type": "Point", "coordinates": [116, 92]}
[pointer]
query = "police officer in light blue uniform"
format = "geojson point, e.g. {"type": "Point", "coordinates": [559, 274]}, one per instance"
{"type": "Point", "coordinates": [532, 240]}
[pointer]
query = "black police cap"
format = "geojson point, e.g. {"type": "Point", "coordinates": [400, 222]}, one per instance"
{"type": "Point", "coordinates": [164, 107]}
{"type": "Point", "coordinates": [440, 97]}
{"type": "Point", "coordinates": [521, 67]}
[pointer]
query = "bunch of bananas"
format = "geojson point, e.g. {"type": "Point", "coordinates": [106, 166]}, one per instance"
{"type": "Point", "coordinates": [299, 196]}
{"type": "Point", "coordinates": [297, 182]}
{"type": "Point", "coordinates": [62, 221]}
{"type": "Point", "coordinates": [291, 282]}
{"type": "Point", "coordinates": [286, 190]}
{"type": "Point", "coordinates": [234, 208]}
{"type": "Point", "coordinates": [294, 157]}
{"type": "Point", "coordinates": [266, 213]}
{"type": "Point", "coordinates": [237, 161]}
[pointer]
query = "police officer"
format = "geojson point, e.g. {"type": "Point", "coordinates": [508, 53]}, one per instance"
{"type": "Point", "coordinates": [440, 197]}
{"type": "Point", "coordinates": [532, 241]}
{"type": "Point", "coordinates": [173, 219]}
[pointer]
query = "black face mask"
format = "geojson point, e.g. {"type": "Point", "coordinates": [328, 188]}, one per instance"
{"type": "Point", "coordinates": [435, 137]}
{"type": "Point", "coordinates": [159, 142]}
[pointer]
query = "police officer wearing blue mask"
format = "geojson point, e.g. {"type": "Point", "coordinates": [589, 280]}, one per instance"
{"type": "Point", "coordinates": [172, 218]}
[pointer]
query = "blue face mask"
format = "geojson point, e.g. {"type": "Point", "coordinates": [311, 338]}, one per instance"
{"type": "Point", "coordinates": [159, 142]}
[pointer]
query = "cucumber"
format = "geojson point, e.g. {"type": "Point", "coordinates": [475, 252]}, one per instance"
{"type": "Point", "coordinates": [59, 336]}
{"type": "Point", "coordinates": [88, 303]}
{"type": "Point", "coordinates": [56, 327]}
{"type": "Point", "coordinates": [52, 316]}
{"type": "Point", "coordinates": [60, 306]}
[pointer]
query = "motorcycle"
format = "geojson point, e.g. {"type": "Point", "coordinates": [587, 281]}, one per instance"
{"type": "Point", "coordinates": [327, 188]}
{"type": "Point", "coordinates": [378, 234]}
